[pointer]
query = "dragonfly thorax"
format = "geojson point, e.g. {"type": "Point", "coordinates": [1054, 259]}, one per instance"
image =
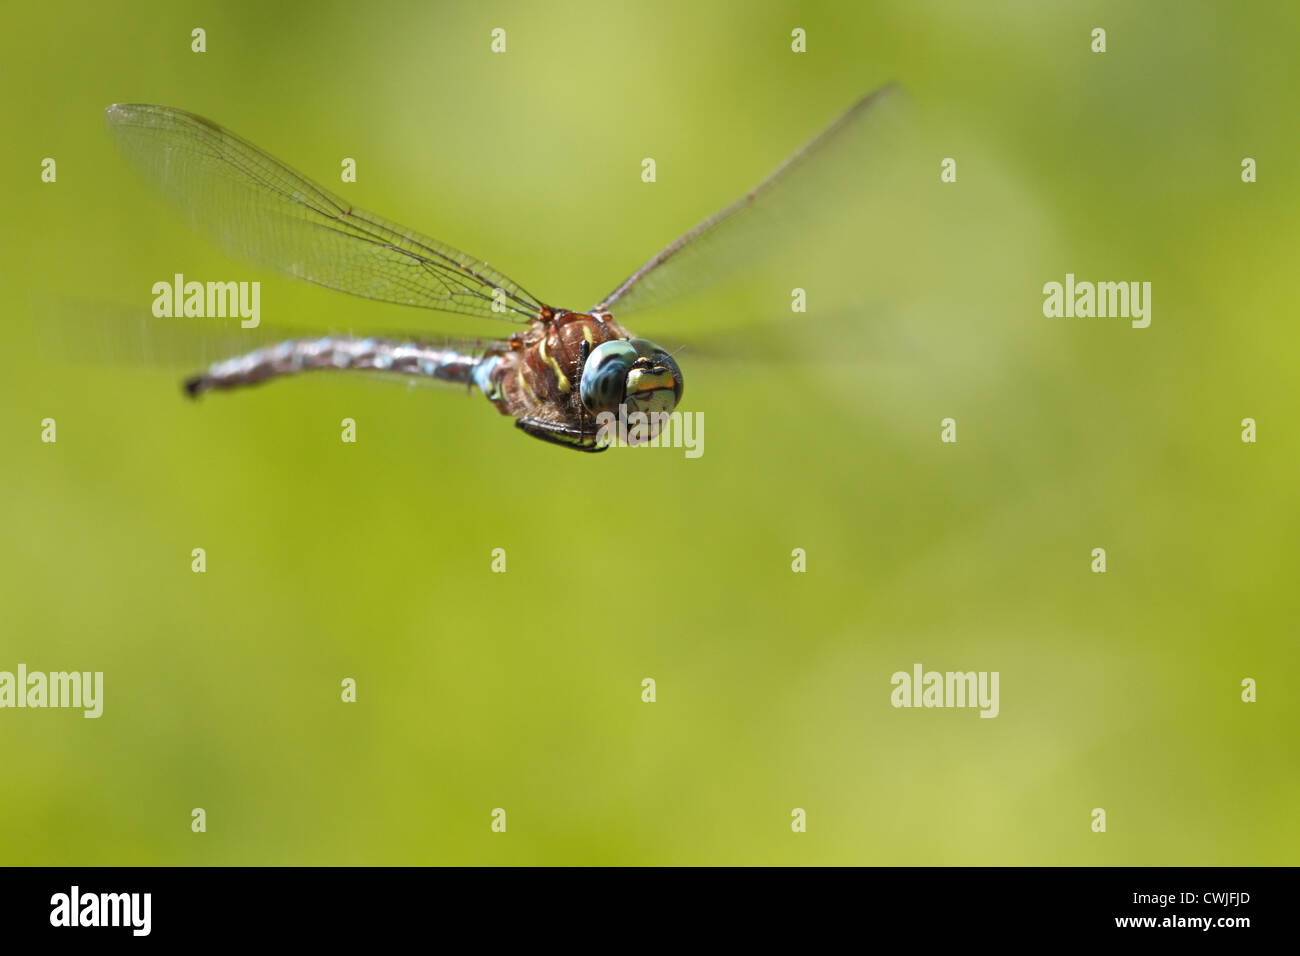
{"type": "Point", "coordinates": [634, 373]}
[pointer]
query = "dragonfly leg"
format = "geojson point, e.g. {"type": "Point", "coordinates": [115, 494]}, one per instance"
{"type": "Point", "coordinates": [560, 434]}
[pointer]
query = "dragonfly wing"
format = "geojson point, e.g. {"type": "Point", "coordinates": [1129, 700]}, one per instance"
{"type": "Point", "coordinates": [259, 209]}
{"type": "Point", "coordinates": [77, 332]}
{"type": "Point", "coordinates": [802, 189]}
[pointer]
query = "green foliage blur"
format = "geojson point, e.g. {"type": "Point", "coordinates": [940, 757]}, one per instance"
{"type": "Point", "coordinates": [522, 690]}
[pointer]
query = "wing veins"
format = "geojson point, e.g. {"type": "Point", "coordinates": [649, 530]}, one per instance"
{"type": "Point", "coordinates": [271, 191]}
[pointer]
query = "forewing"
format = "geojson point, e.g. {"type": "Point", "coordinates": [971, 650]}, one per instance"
{"type": "Point", "coordinates": [259, 209]}
{"type": "Point", "coordinates": [822, 175]}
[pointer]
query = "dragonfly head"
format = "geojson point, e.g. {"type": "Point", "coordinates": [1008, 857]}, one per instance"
{"type": "Point", "coordinates": [631, 372]}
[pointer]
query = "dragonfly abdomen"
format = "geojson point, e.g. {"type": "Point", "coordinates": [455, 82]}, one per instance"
{"type": "Point", "coordinates": [336, 352]}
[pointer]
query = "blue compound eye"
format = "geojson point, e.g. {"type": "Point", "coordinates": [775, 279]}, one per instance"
{"type": "Point", "coordinates": [604, 378]}
{"type": "Point", "coordinates": [632, 372]}
{"type": "Point", "coordinates": [655, 382]}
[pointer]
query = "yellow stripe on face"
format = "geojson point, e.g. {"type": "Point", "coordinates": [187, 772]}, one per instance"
{"type": "Point", "coordinates": [647, 381]}
{"type": "Point", "coordinates": [561, 380]}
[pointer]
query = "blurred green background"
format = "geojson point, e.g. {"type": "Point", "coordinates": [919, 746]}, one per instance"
{"type": "Point", "coordinates": [523, 690]}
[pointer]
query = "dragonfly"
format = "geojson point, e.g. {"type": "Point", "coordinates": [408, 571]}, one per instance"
{"type": "Point", "coordinates": [558, 376]}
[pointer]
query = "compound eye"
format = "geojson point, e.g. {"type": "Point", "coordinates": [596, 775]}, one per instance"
{"type": "Point", "coordinates": [655, 383]}
{"type": "Point", "coordinates": [603, 385]}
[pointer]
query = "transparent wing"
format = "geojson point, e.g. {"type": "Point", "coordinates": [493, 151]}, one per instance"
{"type": "Point", "coordinates": [79, 332]}
{"type": "Point", "coordinates": [260, 210]}
{"type": "Point", "coordinates": [821, 176]}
